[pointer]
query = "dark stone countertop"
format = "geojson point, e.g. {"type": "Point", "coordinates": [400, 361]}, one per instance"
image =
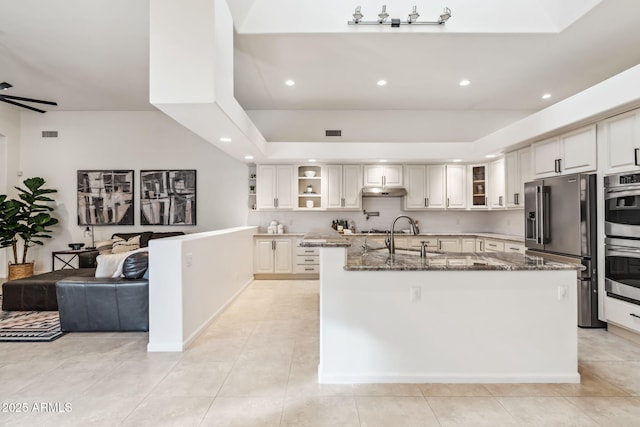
{"type": "Point", "coordinates": [377, 257]}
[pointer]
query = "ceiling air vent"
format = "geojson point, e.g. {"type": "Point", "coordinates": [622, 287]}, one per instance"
{"type": "Point", "coordinates": [332, 133]}
{"type": "Point", "coordinates": [49, 133]}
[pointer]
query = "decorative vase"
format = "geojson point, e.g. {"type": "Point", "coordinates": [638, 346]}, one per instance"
{"type": "Point", "coordinates": [20, 271]}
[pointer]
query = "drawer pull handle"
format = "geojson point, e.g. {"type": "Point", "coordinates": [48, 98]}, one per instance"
{"type": "Point", "coordinates": [634, 315]}
{"type": "Point", "coordinates": [308, 252]}
{"type": "Point", "coordinates": [308, 269]}
{"type": "Point", "coordinates": [309, 260]}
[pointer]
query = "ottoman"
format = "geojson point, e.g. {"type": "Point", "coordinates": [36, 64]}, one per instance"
{"type": "Point", "coordinates": [37, 293]}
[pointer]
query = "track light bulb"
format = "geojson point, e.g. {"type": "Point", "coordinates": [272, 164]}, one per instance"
{"type": "Point", "coordinates": [413, 16]}
{"type": "Point", "coordinates": [382, 16]}
{"type": "Point", "coordinates": [357, 15]}
{"type": "Point", "coordinates": [446, 14]}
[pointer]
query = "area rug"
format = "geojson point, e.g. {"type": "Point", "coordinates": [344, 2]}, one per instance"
{"type": "Point", "coordinates": [29, 326]}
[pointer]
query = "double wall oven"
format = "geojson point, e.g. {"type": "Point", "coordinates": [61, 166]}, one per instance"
{"type": "Point", "coordinates": [622, 242]}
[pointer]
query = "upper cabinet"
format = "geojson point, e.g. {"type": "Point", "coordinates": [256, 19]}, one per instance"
{"type": "Point", "coordinates": [275, 187]}
{"type": "Point", "coordinates": [343, 186]}
{"type": "Point", "coordinates": [310, 187]}
{"type": "Point", "coordinates": [383, 175]}
{"type": "Point", "coordinates": [497, 184]}
{"type": "Point", "coordinates": [572, 152]}
{"type": "Point", "coordinates": [622, 139]}
{"type": "Point", "coordinates": [456, 187]}
{"type": "Point", "coordinates": [478, 187]}
{"type": "Point", "coordinates": [426, 187]}
{"type": "Point", "coordinates": [517, 171]}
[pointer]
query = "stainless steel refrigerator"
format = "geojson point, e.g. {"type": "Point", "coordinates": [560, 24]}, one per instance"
{"type": "Point", "coordinates": [560, 224]}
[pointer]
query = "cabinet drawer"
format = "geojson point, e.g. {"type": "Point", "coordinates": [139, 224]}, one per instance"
{"type": "Point", "coordinates": [300, 250]}
{"type": "Point", "coordinates": [514, 248]}
{"type": "Point", "coordinates": [622, 313]}
{"type": "Point", "coordinates": [307, 260]}
{"type": "Point", "coordinates": [493, 246]}
{"type": "Point", "coordinates": [431, 242]}
{"type": "Point", "coordinates": [306, 269]}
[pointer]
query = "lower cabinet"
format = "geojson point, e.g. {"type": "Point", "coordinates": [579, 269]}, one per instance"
{"type": "Point", "coordinates": [622, 313]}
{"type": "Point", "coordinates": [282, 255]}
{"type": "Point", "coordinates": [515, 248]}
{"type": "Point", "coordinates": [491, 245]}
{"type": "Point", "coordinates": [307, 260]}
{"type": "Point", "coordinates": [272, 255]}
{"type": "Point", "coordinates": [468, 244]}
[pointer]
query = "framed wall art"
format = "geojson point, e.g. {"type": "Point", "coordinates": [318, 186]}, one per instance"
{"type": "Point", "coordinates": [168, 197]}
{"type": "Point", "coordinates": [105, 197]}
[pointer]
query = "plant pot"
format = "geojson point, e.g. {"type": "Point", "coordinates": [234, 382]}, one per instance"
{"type": "Point", "coordinates": [20, 271]}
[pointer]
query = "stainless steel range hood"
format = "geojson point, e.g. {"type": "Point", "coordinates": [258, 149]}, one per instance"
{"type": "Point", "coordinates": [384, 192]}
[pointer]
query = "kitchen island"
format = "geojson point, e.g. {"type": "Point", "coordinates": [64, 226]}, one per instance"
{"type": "Point", "coordinates": [460, 317]}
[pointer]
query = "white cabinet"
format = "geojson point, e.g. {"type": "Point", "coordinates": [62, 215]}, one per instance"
{"type": "Point", "coordinates": [383, 175]}
{"type": "Point", "coordinates": [468, 244]}
{"type": "Point", "coordinates": [491, 245]}
{"type": "Point", "coordinates": [449, 244]}
{"type": "Point", "coordinates": [621, 135]}
{"type": "Point", "coordinates": [478, 188]}
{"type": "Point", "coordinates": [307, 260]}
{"type": "Point", "coordinates": [497, 184]}
{"type": "Point", "coordinates": [456, 186]}
{"type": "Point", "coordinates": [343, 184]}
{"type": "Point", "coordinates": [517, 172]}
{"type": "Point", "coordinates": [516, 248]}
{"type": "Point", "coordinates": [272, 255]}
{"type": "Point", "coordinates": [275, 187]}
{"type": "Point", "coordinates": [426, 187]}
{"type": "Point", "coordinates": [622, 313]}
{"type": "Point", "coordinates": [572, 152]}
{"type": "Point", "coordinates": [310, 188]}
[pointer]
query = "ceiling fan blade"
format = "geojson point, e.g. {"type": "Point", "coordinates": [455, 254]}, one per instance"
{"type": "Point", "coordinates": [19, 98]}
{"type": "Point", "coordinates": [3, 99]}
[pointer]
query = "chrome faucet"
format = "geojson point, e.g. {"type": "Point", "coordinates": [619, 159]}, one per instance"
{"type": "Point", "coordinates": [390, 240]}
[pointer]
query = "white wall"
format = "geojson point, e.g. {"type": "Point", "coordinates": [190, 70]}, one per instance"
{"type": "Point", "coordinates": [503, 222]}
{"type": "Point", "coordinates": [9, 160]}
{"type": "Point", "coordinates": [193, 279]}
{"type": "Point", "coordinates": [126, 140]}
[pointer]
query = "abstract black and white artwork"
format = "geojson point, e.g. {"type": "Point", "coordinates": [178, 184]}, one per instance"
{"type": "Point", "coordinates": [168, 197]}
{"type": "Point", "coordinates": [105, 197]}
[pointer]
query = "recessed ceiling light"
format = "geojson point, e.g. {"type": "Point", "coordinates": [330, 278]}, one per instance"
{"type": "Point", "coordinates": [381, 82]}
{"type": "Point", "coordinates": [383, 161]}
{"type": "Point", "coordinates": [312, 160]}
{"type": "Point", "coordinates": [464, 82]}
{"type": "Point", "coordinates": [248, 157]}
{"type": "Point", "coordinates": [490, 156]}
{"type": "Point", "coordinates": [225, 139]}
{"type": "Point", "coordinates": [456, 160]}
{"type": "Point", "coordinates": [546, 96]}
{"type": "Point", "coordinates": [290, 83]}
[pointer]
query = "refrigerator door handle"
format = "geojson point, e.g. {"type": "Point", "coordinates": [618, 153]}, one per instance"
{"type": "Point", "coordinates": [542, 204]}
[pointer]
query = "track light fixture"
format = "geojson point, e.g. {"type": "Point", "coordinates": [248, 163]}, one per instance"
{"type": "Point", "coordinates": [412, 18]}
{"type": "Point", "coordinates": [357, 15]}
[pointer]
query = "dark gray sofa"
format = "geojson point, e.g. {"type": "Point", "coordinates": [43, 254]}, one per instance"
{"type": "Point", "coordinates": [107, 304]}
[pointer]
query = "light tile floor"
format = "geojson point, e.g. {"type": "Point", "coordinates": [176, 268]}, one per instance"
{"type": "Point", "coordinates": [256, 366]}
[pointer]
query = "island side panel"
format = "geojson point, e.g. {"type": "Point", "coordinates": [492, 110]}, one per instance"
{"type": "Point", "coordinates": [469, 326]}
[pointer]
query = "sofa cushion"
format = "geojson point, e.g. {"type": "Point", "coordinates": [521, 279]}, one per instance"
{"type": "Point", "coordinates": [111, 265]}
{"type": "Point", "coordinates": [121, 245]}
{"type": "Point", "coordinates": [135, 265]}
{"type": "Point", "coordinates": [166, 234]}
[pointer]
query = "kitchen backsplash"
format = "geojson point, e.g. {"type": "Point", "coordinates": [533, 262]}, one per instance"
{"type": "Point", "coordinates": [503, 222]}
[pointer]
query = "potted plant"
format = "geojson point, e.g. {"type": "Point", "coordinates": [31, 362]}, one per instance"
{"type": "Point", "coordinates": [26, 219]}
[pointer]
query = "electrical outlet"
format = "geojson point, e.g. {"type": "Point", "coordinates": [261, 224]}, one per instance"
{"type": "Point", "coordinates": [562, 292]}
{"type": "Point", "coordinates": [416, 294]}
{"type": "Point", "coordinates": [188, 259]}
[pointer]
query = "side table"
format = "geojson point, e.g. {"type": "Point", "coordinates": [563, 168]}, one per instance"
{"type": "Point", "coordinates": [67, 257]}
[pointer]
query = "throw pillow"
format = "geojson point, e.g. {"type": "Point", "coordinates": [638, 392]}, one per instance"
{"type": "Point", "coordinates": [121, 245]}
{"type": "Point", "coordinates": [104, 247]}
{"type": "Point", "coordinates": [111, 265]}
